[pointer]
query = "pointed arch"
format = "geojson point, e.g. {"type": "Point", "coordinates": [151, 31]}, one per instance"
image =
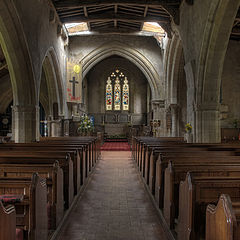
{"type": "Point", "coordinates": [210, 66]}
{"type": "Point", "coordinates": [119, 49]}
{"type": "Point", "coordinates": [213, 50]}
{"type": "Point", "coordinates": [15, 49]}
{"type": "Point", "coordinates": [50, 66]}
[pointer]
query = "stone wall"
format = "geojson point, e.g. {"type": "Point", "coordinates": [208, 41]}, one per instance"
{"type": "Point", "coordinates": [96, 83]}
{"type": "Point", "coordinates": [230, 100]}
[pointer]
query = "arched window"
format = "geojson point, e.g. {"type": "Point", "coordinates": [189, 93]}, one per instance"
{"type": "Point", "coordinates": [119, 83]}
{"type": "Point", "coordinates": [109, 95]}
{"type": "Point", "coordinates": [125, 97]}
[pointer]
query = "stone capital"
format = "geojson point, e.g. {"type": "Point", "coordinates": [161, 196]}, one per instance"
{"type": "Point", "coordinates": [25, 108]}
{"type": "Point", "coordinates": [207, 106]}
{"type": "Point", "coordinates": [158, 104]}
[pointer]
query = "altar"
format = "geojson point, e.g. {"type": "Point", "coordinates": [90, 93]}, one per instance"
{"type": "Point", "coordinates": [116, 129]}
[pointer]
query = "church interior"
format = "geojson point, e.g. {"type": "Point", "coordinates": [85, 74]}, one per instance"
{"type": "Point", "coordinates": [120, 120]}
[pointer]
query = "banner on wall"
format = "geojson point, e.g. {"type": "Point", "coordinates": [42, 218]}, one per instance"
{"type": "Point", "coordinates": [74, 82]}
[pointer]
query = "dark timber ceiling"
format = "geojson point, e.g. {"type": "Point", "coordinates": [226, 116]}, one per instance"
{"type": "Point", "coordinates": [117, 16]}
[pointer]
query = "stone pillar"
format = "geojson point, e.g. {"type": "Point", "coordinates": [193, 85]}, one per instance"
{"type": "Point", "coordinates": [25, 123]}
{"type": "Point", "coordinates": [207, 124]}
{"type": "Point", "coordinates": [174, 113]}
{"type": "Point", "coordinates": [66, 127]}
{"type": "Point", "coordinates": [56, 128]}
{"type": "Point", "coordinates": [159, 114]}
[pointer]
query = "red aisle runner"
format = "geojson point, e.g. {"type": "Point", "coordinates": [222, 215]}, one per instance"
{"type": "Point", "coordinates": [115, 146]}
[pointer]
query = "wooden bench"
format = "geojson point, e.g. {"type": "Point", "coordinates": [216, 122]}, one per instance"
{"type": "Point", "coordinates": [54, 179]}
{"type": "Point", "coordinates": [176, 172]}
{"type": "Point", "coordinates": [184, 157]}
{"type": "Point", "coordinates": [64, 160]}
{"type": "Point", "coordinates": [80, 157]}
{"type": "Point", "coordinates": [31, 213]}
{"type": "Point", "coordinates": [223, 220]}
{"type": "Point", "coordinates": [7, 222]}
{"type": "Point", "coordinates": [195, 193]}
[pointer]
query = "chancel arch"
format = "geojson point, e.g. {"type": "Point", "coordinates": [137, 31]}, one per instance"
{"type": "Point", "coordinates": [119, 49]}
{"type": "Point", "coordinates": [118, 72]}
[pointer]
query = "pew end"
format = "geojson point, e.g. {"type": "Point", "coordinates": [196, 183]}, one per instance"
{"type": "Point", "coordinates": [7, 222]}
{"type": "Point", "coordinates": [185, 229]}
{"type": "Point", "coordinates": [221, 221]}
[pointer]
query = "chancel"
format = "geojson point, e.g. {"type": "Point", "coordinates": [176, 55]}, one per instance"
{"type": "Point", "coordinates": [120, 119]}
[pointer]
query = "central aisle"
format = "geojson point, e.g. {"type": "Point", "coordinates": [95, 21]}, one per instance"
{"type": "Point", "coordinates": [114, 205]}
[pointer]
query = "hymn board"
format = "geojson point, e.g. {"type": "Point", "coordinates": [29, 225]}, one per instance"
{"type": "Point", "coordinates": [74, 82]}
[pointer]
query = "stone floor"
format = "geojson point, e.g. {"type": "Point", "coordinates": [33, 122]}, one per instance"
{"type": "Point", "coordinates": [115, 205]}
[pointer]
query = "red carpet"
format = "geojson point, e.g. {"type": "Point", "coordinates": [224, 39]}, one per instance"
{"type": "Point", "coordinates": [115, 146]}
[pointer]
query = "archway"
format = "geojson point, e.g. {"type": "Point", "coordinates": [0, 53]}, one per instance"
{"type": "Point", "coordinates": [213, 51]}
{"type": "Point", "coordinates": [51, 90]}
{"type": "Point", "coordinates": [176, 88]}
{"type": "Point", "coordinates": [115, 121]}
{"type": "Point", "coordinates": [17, 57]}
{"type": "Point", "coordinates": [122, 50]}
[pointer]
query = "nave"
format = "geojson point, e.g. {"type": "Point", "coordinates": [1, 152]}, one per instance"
{"type": "Point", "coordinates": [114, 205]}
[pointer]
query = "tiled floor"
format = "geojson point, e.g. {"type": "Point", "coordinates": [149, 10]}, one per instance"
{"type": "Point", "coordinates": [114, 205]}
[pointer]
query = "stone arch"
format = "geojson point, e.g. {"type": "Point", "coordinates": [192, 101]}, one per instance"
{"type": "Point", "coordinates": [216, 37]}
{"type": "Point", "coordinates": [129, 53]}
{"type": "Point", "coordinates": [212, 54]}
{"type": "Point", "coordinates": [12, 40]}
{"type": "Point", "coordinates": [50, 66]}
{"type": "Point", "coordinates": [172, 68]}
{"type": "Point", "coordinates": [16, 52]}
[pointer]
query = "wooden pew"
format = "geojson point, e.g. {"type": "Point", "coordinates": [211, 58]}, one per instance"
{"type": "Point", "coordinates": [79, 155]}
{"type": "Point", "coordinates": [54, 178]}
{"type": "Point", "coordinates": [65, 163]}
{"type": "Point", "coordinates": [163, 160]}
{"type": "Point", "coordinates": [31, 213]}
{"type": "Point", "coordinates": [176, 172]}
{"type": "Point", "coordinates": [7, 222]}
{"type": "Point", "coordinates": [89, 142]}
{"type": "Point", "coordinates": [195, 193]}
{"type": "Point", "coordinates": [223, 220]}
{"type": "Point", "coordinates": [94, 145]}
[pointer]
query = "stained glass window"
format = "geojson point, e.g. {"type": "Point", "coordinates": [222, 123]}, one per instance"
{"type": "Point", "coordinates": [125, 95]}
{"type": "Point", "coordinates": [117, 87]}
{"type": "Point", "coordinates": [109, 95]}
{"type": "Point", "coordinates": [117, 95]}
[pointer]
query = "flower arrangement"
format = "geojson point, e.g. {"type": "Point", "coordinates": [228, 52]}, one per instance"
{"type": "Point", "coordinates": [86, 125]}
{"type": "Point", "coordinates": [188, 127]}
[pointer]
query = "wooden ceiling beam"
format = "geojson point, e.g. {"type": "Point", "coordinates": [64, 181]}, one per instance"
{"type": "Point", "coordinates": [88, 3]}
{"type": "Point", "coordinates": [144, 15]}
{"type": "Point", "coordinates": [86, 15]}
{"type": "Point", "coordinates": [112, 17]}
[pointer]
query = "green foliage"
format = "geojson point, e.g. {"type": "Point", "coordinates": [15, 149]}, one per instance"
{"type": "Point", "coordinates": [85, 125]}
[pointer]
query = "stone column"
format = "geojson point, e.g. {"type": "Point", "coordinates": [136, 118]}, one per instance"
{"type": "Point", "coordinates": [56, 128]}
{"type": "Point", "coordinates": [207, 124]}
{"type": "Point", "coordinates": [25, 123]}
{"type": "Point", "coordinates": [174, 113]}
{"type": "Point", "coordinates": [66, 127]}
{"type": "Point", "coordinates": [159, 113]}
